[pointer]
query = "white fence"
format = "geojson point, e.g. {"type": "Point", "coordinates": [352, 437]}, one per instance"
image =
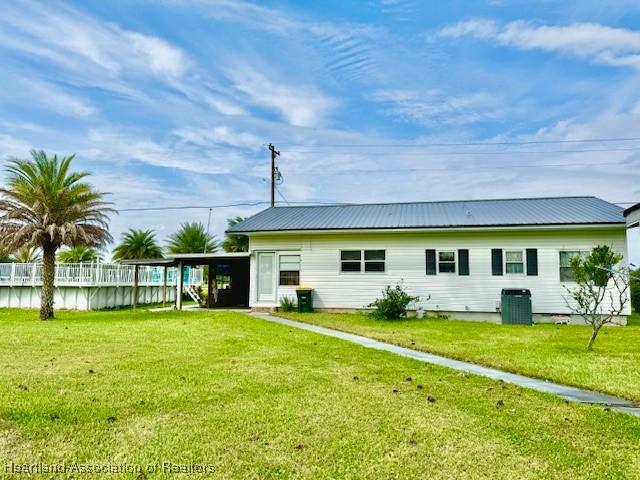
{"type": "Point", "coordinates": [94, 275]}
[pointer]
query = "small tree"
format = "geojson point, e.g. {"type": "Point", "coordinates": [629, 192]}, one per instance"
{"type": "Point", "coordinates": [635, 289]}
{"type": "Point", "coordinates": [5, 256]}
{"type": "Point", "coordinates": [27, 255]}
{"type": "Point", "coordinates": [234, 242]}
{"type": "Point", "coordinates": [192, 237]}
{"type": "Point", "coordinates": [137, 244]}
{"type": "Point", "coordinates": [602, 288]}
{"type": "Point", "coordinates": [79, 254]}
{"type": "Point", "coordinates": [393, 304]}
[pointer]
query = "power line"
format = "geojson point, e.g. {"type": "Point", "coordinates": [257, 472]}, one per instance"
{"type": "Point", "coordinates": [467, 152]}
{"type": "Point", "coordinates": [460, 144]}
{"type": "Point", "coordinates": [207, 207]}
{"type": "Point", "coordinates": [213, 207]}
{"type": "Point", "coordinates": [457, 168]}
{"type": "Point", "coordinates": [192, 207]}
{"type": "Point", "coordinates": [282, 195]}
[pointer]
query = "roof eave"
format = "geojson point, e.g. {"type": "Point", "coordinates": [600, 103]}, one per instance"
{"type": "Point", "coordinates": [548, 226]}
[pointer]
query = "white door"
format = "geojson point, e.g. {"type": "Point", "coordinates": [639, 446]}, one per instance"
{"type": "Point", "coordinates": [266, 277]}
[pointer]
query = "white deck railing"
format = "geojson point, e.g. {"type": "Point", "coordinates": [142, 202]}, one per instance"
{"type": "Point", "coordinates": [93, 275]}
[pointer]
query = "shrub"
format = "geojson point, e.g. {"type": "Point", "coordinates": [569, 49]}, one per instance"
{"type": "Point", "coordinates": [393, 304]}
{"type": "Point", "coordinates": [287, 304]}
{"type": "Point", "coordinates": [635, 289]}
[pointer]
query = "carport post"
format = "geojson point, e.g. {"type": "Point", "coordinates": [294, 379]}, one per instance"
{"type": "Point", "coordinates": [210, 276]}
{"type": "Point", "coordinates": [179, 286]}
{"type": "Point", "coordinates": [136, 279]}
{"type": "Point", "coordinates": [164, 286]}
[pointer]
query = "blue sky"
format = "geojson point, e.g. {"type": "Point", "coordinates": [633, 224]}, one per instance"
{"type": "Point", "coordinates": [174, 102]}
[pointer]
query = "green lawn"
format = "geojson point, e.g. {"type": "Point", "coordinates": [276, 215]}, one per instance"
{"type": "Point", "coordinates": [259, 400]}
{"type": "Point", "coordinates": [552, 352]}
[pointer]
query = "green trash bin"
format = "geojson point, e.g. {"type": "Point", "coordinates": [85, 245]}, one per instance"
{"type": "Point", "coordinates": [515, 304]}
{"type": "Point", "coordinates": [305, 300]}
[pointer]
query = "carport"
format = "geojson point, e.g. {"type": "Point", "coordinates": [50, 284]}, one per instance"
{"type": "Point", "coordinates": [227, 278]}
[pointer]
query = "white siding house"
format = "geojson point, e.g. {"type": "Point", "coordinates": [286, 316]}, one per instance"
{"type": "Point", "coordinates": [456, 256]}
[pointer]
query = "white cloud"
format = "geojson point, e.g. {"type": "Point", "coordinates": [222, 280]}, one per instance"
{"type": "Point", "coordinates": [591, 41]}
{"type": "Point", "coordinates": [436, 105]}
{"type": "Point", "coordinates": [76, 40]}
{"type": "Point", "coordinates": [348, 50]}
{"type": "Point", "coordinates": [117, 146]}
{"type": "Point", "coordinates": [55, 98]}
{"type": "Point", "coordinates": [13, 147]}
{"type": "Point", "coordinates": [298, 105]}
{"type": "Point", "coordinates": [219, 135]}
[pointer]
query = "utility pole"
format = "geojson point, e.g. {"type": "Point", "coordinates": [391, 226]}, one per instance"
{"type": "Point", "coordinates": [274, 153]}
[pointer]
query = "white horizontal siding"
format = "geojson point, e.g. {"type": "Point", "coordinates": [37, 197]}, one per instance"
{"type": "Point", "coordinates": [405, 261]}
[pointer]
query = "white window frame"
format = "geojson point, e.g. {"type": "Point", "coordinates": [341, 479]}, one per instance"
{"type": "Point", "coordinates": [289, 254]}
{"type": "Point", "coordinates": [580, 251]}
{"type": "Point", "coordinates": [524, 261]}
{"type": "Point", "coordinates": [365, 261]}
{"type": "Point", "coordinates": [455, 262]}
{"type": "Point", "coordinates": [340, 261]}
{"type": "Point", "coordinates": [362, 261]}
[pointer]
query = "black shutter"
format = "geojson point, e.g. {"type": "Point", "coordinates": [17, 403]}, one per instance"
{"type": "Point", "coordinates": [532, 261]}
{"type": "Point", "coordinates": [463, 262]}
{"type": "Point", "coordinates": [431, 262]}
{"type": "Point", "coordinates": [496, 261]}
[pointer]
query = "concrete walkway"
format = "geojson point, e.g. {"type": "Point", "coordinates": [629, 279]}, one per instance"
{"type": "Point", "coordinates": [572, 394]}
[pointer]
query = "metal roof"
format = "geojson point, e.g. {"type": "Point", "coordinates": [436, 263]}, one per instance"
{"type": "Point", "coordinates": [632, 215]}
{"type": "Point", "coordinates": [186, 258]}
{"type": "Point", "coordinates": [451, 214]}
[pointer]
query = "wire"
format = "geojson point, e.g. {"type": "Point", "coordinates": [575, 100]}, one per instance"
{"type": "Point", "coordinates": [461, 152]}
{"type": "Point", "coordinates": [190, 207]}
{"type": "Point", "coordinates": [414, 145]}
{"type": "Point", "coordinates": [207, 207]}
{"type": "Point", "coordinates": [282, 195]}
{"type": "Point", "coordinates": [456, 168]}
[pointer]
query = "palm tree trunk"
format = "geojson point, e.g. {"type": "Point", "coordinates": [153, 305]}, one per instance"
{"type": "Point", "coordinates": [48, 277]}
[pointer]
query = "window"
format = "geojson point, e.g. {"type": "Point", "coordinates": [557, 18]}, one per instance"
{"type": "Point", "coordinates": [514, 261]}
{"type": "Point", "coordinates": [374, 260]}
{"type": "Point", "coordinates": [566, 273]}
{"type": "Point", "coordinates": [289, 269]}
{"type": "Point", "coordinates": [223, 276]}
{"type": "Point", "coordinates": [352, 260]}
{"type": "Point", "coordinates": [447, 262]}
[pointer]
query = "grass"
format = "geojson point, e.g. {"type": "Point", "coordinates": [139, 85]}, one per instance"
{"type": "Point", "coordinates": [253, 399]}
{"type": "Point", "coordinates": [552, 352]}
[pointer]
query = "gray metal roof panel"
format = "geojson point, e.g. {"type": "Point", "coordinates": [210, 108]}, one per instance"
{"type": "Point", "coordinates": [450, 214]}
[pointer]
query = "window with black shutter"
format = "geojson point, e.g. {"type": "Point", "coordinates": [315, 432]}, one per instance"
{"type": "Point", "coordinates": [496, 261]}
{"type": "Point", "coordinates": [431, 261]}
{"type": "Point", "coordinates": [532, 261]}
{"type": "Point", "coordinates": [463, 262]}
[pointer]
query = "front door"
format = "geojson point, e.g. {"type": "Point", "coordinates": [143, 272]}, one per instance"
{"type": "Point", "coordinates": [266, 277]}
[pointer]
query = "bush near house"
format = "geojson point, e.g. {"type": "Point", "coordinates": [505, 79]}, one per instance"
{"type": "Point", "coordinates": [288, 304]}
{"type": "Point", "coordinates": [393, 304]}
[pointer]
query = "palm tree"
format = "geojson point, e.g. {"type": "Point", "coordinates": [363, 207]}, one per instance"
{"type": "Point", "coordinates": [5, 256]}
{"type": "Point", "coordinates": [46, 205]}
{"type": "Point", "coordinates": [79, 254]}
{"type": "Point", "coordinates": [27, 254]}
{"type": "Point", "coordinates": [192, 238]}
{"type": "Point", "coordinates": [137, 244]}
{"type": "Point", "coordinates": [233, 242]}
